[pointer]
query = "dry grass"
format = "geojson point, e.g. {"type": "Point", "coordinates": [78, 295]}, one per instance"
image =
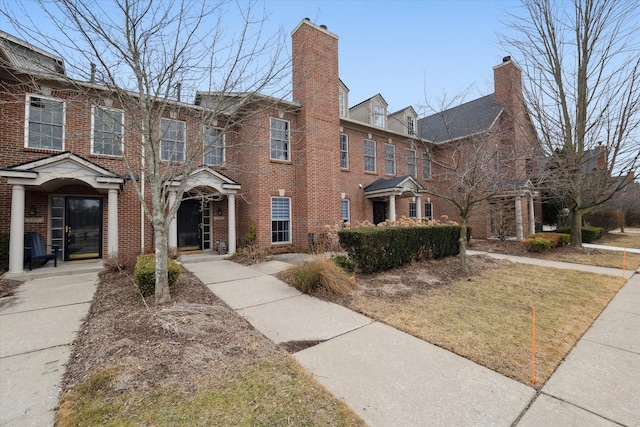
{"type": "Point", "coordinates": [621, 240]}
{"type": "Point", "coordinates": [487, 318]}
{"type": "Point", "coordinates": [597, 257]}
{"type": "Point", "coordinates": [320, 277]}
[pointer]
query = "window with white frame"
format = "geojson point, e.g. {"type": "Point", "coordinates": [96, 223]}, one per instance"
{"type": "Point", "coordinates": [279, 139]}
{"type": "Point", "coordinates": [107, 125]}
{"type": "Point", "coordinates": [346, 213]}
{"type": "Point", "coordinates": [428, 210]}
{"type": "Point", "coordinates": [426, 165]}
{"type": "Point", "coordinates": [213, 146]}
{"type": "Point", "coordinates": [344, 151]}
{"type": "Point", "coordinates": [172, 140]}
{"type": "Point", "coordinates": [45, 123]}
{"type": "Point", "coordinates": [411, 163]}
{"type": "Point", "coordinates": [389, 159]}
{"type": "Point", "coordinates": [280, 220]}
{"type": "Point", "coordinates": [410, 125]}
{"type": "Point", "coordinates": [379, 115]}
{"type": "Point", "coordinates": [369, 155]}
{"type": "Point", "coordinates": [413, 210]}
{"type": "Point", "coordinates": [342, 99]}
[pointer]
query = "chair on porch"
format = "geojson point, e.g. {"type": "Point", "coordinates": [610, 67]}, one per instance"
{"type": "Point", "coordinates": [34, 249]}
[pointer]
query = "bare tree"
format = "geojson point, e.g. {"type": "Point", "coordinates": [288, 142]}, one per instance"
{"type": "Point", "coordinates": [149, 54]}
{"type": "Point", "coordinates": [582, 63]}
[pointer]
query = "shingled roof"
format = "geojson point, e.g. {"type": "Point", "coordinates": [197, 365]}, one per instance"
{"type": "Point", "coordinates": [461, 121]}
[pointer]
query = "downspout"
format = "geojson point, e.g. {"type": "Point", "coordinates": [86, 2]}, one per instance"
{"type": "Point", "coordinates": [142, 181]}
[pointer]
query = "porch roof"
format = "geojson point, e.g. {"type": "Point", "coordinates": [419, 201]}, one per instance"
{"type": "Point", "coordinates": [402, 186]}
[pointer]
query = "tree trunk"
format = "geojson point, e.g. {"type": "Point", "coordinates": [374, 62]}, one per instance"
{"type": "Point", "coordinates": [462, 245]}
{"type": "Point", "coordinates": [575, 225]}
{"type": "Point", "coordinates": [162, 280]}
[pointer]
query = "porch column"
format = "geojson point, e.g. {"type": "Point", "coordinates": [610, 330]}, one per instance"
{"type": "Point", "coordinates": [419, 207]}
{"type": "Point", "coordinates": [173, 225]}
{"type": "Point", "coordinates": [519, 232]}
{"type": "Point", "coordinates": [16, 237]}
{"type": "Point", "coordinates": [532, 219]}
{"type": "Point", "coordinates": [231, 198]}
{"type": "Point", "coordinates": [392, 208]}
{"type": "Point", "coordinates": [112, 235]}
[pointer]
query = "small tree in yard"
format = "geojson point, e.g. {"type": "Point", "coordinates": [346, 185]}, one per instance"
{"type": "Point", "coordinates": [582, 63]}
{"type": "Point", "coordinates": [146, 52]}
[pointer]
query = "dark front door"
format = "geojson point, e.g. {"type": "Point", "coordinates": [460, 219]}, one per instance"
{"type": "Point", "coordinates": [189, 225]}
{"type": "Point", "coordinates": [379, 212]}
{"type": "Point", "coordinates": [83, 228]}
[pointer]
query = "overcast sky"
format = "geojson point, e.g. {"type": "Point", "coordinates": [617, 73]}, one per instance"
{"type": "Point", "coordinates": [409, 51]}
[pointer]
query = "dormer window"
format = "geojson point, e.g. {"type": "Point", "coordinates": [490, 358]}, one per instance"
{"type": "Point", "coordinates": [342, 99]}
{"type": "Point", "coordinates": [379, 115]}
{"type": "Point", "coordinates": [410, 125]}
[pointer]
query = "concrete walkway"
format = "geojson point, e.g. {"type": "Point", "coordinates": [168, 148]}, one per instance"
{"type": "Point", "coordinates": [393, 379]}
{"type": "Point", "coordinates": [37, 326]}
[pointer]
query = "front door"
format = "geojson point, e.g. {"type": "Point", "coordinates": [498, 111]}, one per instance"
{"type": "Point", "coordinates": [83, 228]}
{"type": "Point", "coordinates": [189, 225]}
{"type": "Point", "coordinates": [379, 212]}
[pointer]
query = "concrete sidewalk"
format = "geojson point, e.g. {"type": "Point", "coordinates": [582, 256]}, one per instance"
{"type": "Point", "coordinates": [37, 325]}
{"type": "Point", "coordinates": [393, 379]}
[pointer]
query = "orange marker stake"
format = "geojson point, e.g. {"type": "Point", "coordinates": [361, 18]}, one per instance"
{"type": "Point", "coordinates": [533, 347]}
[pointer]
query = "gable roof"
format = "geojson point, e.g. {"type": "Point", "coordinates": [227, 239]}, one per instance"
{"type": "Point", "coordinates": [458, 122]}
{"type": "Point", "coordinates": [25, 57]}
{"type": "Point", "coordinates": [377, 96]}
{"type": "Point", "coordinates": [398, 186]}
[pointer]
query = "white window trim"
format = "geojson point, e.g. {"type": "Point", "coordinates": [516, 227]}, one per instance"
{"type": "Point", "coordinates": [26, 120]}
{"type": "Point", "coordinates": [426, 154]}
{"type": "Point", "coordinates": [382, 115]}
{"type": "Point", "coordinates": [342, 101]}
{"type": "Point", "coordinates": [375, 156]}
{"type": "Point", "coordinates": [394, 159]}
{"type": "Point", "coordinates": [184, 153]}
{"type": "Point", "coordinates": [271, 218]}
{"type": "Point", "coordinates": [415, 161]}
{"type": "Point", "coordinates": [415, 207]}
{"type": "Point", "coordinates": [347, 151]}
{"type": "Point", "coordinates": [224, 147]}
{"type": "Point", "coordinates": [288, 159]}
{"type": "Point", "coordinates": [411, 130]}
{"type": "Point", "coordinates": [425, 211]}
{"type": "Point", "coordinates": [93, 120]}
{"type": "Point", "coordinates": [348, 202]}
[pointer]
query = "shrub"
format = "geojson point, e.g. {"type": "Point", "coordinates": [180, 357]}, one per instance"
{"type": "Point", "coordinates": [252, 254]}
{"type": "Point", "coordinates": [557, 239]}
{"type": "Point", "coordinates": [320, 276]}
{"type": "Point", "coordinates": [145, 273]}
{"type": "Point", "coordinates": [607, 219]}
{"type": "Point", "coordinates": [252, 234]}
{"type": "Point", "coordinates": [537, 244]}
{"type": "Point", "coordinates": [589, 234]}
{"type": "Point", "coordinates": [344, 262]}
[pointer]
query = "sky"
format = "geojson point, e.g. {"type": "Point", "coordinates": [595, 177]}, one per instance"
{"type": "Point", "coordinates": [412, 52]}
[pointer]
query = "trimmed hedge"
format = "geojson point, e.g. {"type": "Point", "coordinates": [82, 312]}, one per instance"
{"type": "Point", "coordinates": [380, 248]}
{"type": "Point", "coordinates": [145, 273]}
{"type": "Point", "coordinates": [537, 244]}
{"type": "Point", "coordinates": [589, 234]}
{"type": "Point", "coordinates": [344, 263]}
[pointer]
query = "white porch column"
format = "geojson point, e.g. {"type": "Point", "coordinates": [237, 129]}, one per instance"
{"type": "Point", "coordinates": [232, 222]}
{"type": "Point", "coordinates": [112, 235]}
{"type": "Point", "coordinates": [392, 208]}
{"type": "Point", "coordinates": [532, 218]}
{"type": "Point", "coordinates": [519, 233]}
{"type": "Point", "coordinates": [419, 207]}
{"type": "Point", "coordinates": [173, 225]}
{"type": "Point", "coordinates": [16, 237]}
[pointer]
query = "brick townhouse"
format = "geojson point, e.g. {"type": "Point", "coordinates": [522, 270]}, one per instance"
{"type": "Point", "coordinates": [290, 167]}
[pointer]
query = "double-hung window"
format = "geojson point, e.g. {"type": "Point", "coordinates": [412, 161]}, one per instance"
{"type": "Point", "coordinates": [369, 155]}
{"type": "Point", "coordinates": [280, 220]}
{"type": "Point", "coordinates": [213, 146]}
{"type": "Point", "coordinates": [411, 125]}
{"type": "Point", "coordinates": [172, 140]}
{"type": "Point", "coordinates": [413, 210]}
{"type": "Point", "coordinates": [379, 116]}
{"type": "Point", "coordinates": [428, 210]}
{"type": "Point", "coordinates": [45, 123]}
{"type": "Point", "coordinates": [389, 159]}
{"type": "Point", "coordinates": [344, 151]}
{"type": "Point", "coordinates": [342, 99]}
{"type": "Point", "coordinates": [279, 139]}
{"type": "Point", "coordinates": [411, 163]}
{"type": "Point", "coordinates": [426, 165]}
{"type": "Point", "coordinates": [107, 124]}
{"type": "Point", "coordinates": [346, 214]}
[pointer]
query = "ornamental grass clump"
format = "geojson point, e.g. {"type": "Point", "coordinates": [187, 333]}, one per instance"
{"type": "Point", "coordinates": [320, 276]}
{"type": "Point", "coordinates": [145, 273]}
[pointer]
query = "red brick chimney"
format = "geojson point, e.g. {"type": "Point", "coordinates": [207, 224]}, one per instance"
{"type": "Point", "coordinates": [507, 80]}
{"type": "Point", "coordinates": [315, 87]}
